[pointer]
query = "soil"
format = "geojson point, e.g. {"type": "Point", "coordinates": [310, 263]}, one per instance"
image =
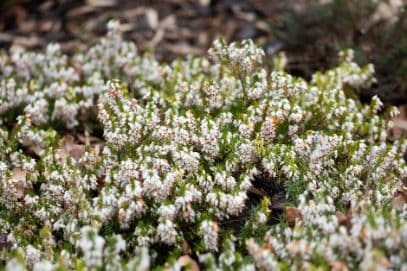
{"type": "Point", "coordinates": [310, 32]}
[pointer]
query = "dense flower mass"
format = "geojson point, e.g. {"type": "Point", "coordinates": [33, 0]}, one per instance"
{"type": "Point", "coordinates": [166, 157]}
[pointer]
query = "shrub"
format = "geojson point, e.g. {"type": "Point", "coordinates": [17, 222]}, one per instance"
{"type": "Point", "coordinates": [188, 149]}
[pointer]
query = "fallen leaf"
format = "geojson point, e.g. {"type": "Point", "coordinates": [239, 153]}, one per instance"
{"type": "Point", "coordinates": [184, 49]}
{"type": "Point", "coordinates": [47, 5]}
{"type": "Point", "coordinates": [4, 243]}
{"type": "Point", "coordinates": [403, 192]}
{"type": "Point", "coordinates": [204, 3]}
{"type": "Point", "coordinates": [159, 35]}
{"type": "Point", "coordinates": [27, 26]}
{"type": "Point", "coordinates": [18, 182]}
{"type": "Point", "coordinates": [257, 191]}
{"type": "Point", "coordinates": [188, 262]}
{"type": "Point", "coordinates": [35, 149]}
{"type": "Point", "coordinates": [46, 25]}
{"type": "Point", "coordinates": [386, 11]}
{"type": "Point", "coordinates": [291, 215]}
{"type": "Point", "coordinates": [101, 3]}
{"type": "Point", "coordinates": [5, 37]}
{"type": "Point", "coordinates": [185, 247]}
{"type": "Point", "coordinates": [25, 41]}
{"type": "Point", "coordinates": [152, 18]}
{"type": "Point", "coordinates": [80, 11]}
{"type": "Point", "coordinates": [398, 202]}
{"type": "Point", "coordinates": [298, 247]}
{"type": "Point", "coordinates": [267, 246]}
{"type": "Point", "coordinates": [133, 12]}
{"type": "Point", "coordinates": [399, 199]}
{"type": "Point", "coordinates": [68, 147]}
{"type": "Point", "coordinates": [169, 22]}
{"type": "Point", "coordinates": [278, 200]}
{"type": "Point", "coordinates": [338, 266]}
{"type": "Point", "coordinates": [89, 140]}
{"type": "Point", "coordinates": [397, 128]}
{"type": "Point", "coordinates": [344, 219]}
{"type": "Point", "coordinates": [19, 174]}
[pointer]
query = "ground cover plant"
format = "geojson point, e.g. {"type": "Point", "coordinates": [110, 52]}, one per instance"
{"type": "Point", "coordinates": [111, 160]}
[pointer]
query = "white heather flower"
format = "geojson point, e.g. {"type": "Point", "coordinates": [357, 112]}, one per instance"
{"type": "Point", "coordinates": [346, 55]}
{"type": "Point", "coordinates": [377, 103]}
{"type": "Point", "coordinates": [53, 49]}
{"type": "Point", "coordinates": [263, 258]}
{"type": "Point", "coordinates": [32, 255]}
{"type": "Point", "coordinates": [246, 129]}
{"type": "Point", "coordinates": [166, 232]}
{"type": "Point", "coordinates": [268, 129]}
{"type": "Point", "coordinates": [215, 100]}
{"type": "Point", "coordinates": [235, 203]}
{"type": "Point", "coordinates": [246, 153]}
{"type": "Point", "coordinates": [113, 26]}
{"type": "Point", "coordinates": [56, 89]}
{"type": "Point", "coordinates": [43, 265]}
{"type": "Point", "coordinates": [394, 112]}
{"type": "Point", "coordinates": [92, 246]}
{"type": "Point", "coordinates": [262, 218]}
{"type": "Point", "coordinates": [15, 265]}
{"type": "Point", "coordinates": [167, 211]}
{"type": "Point", "coordinates": [38, 111]}
{"type": "Point", "coordinates": [374, 259]}
{"type": "Point", "coordinates": [141, 261]}
{"type": "Point", "coordinates": [209, 140]}
{"type": "Point", "coordinates": [258, 88]}
{"type": "Point", "coordinates": [186, 152]}
{"type": "Point", "coordinates": [65, 112]}
{"type": "Point", "coordinates": [209, 230]}
{"type": "Point", "coordinates": [188, 160]}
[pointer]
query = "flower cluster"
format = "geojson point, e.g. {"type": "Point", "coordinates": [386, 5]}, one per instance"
{"type": "Point", "coordinates": [182, 158]}
{"type": "Point", "coordinates": [361, 239]}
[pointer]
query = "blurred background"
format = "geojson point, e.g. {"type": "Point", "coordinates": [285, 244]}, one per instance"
{"type": "Point", "coordinates": [310, 32]}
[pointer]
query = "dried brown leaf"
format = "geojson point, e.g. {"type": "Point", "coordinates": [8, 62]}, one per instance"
{"type": "Point", "coordinates": [28, 25]}
{"type": "Point", "coordinates": [47, 5]}
{"type": "Point", "coordinates": [35, 149]}
{"type": "Point", "coordinates": [31, 41]}
{"type": "Point", "coordinates": [18, 174]}
{"type": "Point", "coordinates": [18, 182]}
{"type": "Point", "coordinates": [291, 215]}
{"type": "Point", "coordinates": [5, 37]}
{"type": "Point", "coordinates": [80, 11]}
{"type": "Point", "coordinates": [398, 203]}
{"type": "Point", "coordinates": [152, 18]}
{"type": "Point", "coordinates": [185, 247]}
{"type": "Point", "coordinates": [130, 14]}
{"type": "Point", "coordinates": [344, 219]}
{"type": "Point", "coordinates": [189, 263]}
{"type": "Point", "coordinates": [204, 3]}
{"type": "Point", "coordinates": [399, 199]}
{"type": "Point", "coordinates": [338, 266]}
{"type": "Point", "coordinates": [101, 3]}
{"type": "Point", "coordinates": [184, 49]}
{"type": "Point", "coordinates": [298, 246]}
{"type": "Point", "coordinates": [88, 139]}
{"type": "Point", "coordinates": [386, 11]}
{"type": "Point", "coordinates": [68, 147]}
{"type": "Point", "coordinates": [4, 243]}
{"type": "Point", "coordinates": [169, 22]}
{"type": "Point", "coordinates": [46, 25]}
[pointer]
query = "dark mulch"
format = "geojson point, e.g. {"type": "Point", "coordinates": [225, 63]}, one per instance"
{"type": "Point", "coordinates": [310, 32]}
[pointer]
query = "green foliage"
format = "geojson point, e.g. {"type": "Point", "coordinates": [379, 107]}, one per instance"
{"type": "Point", "coordinates": [193, 156]}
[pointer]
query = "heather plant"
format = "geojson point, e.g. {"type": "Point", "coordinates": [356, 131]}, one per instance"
{"type": "Point", "coordinates": [188, 148]}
